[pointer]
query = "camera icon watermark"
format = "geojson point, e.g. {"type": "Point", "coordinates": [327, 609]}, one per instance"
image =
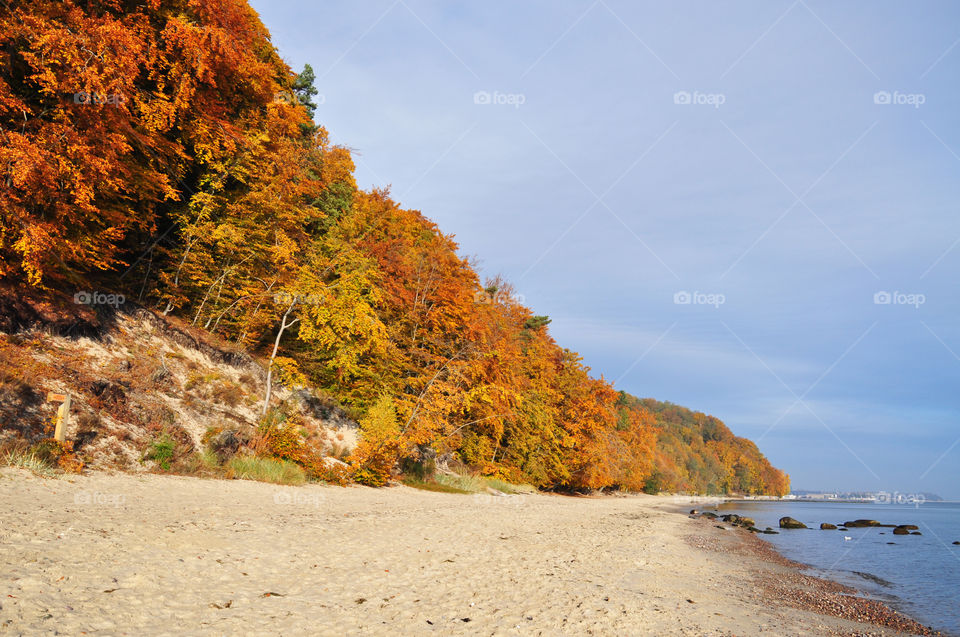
{"type": "Point", "coordinates": [289, 97]}
{"type": "Point", "coordinates": [488, 500]}
{"type": "Point", "coordinates": [897, 98]}
{"type": "Point", "coordinates": [701, 501]}
{"type": "Point", "coordinates": [497, 98]}
{"type": "Point", "coordinates": [697, 98]}
{"type": "Point", "coordinates": [285, 97]}
{"type": "Point", "coordinates": [99, 99]}
{"type": "Point", "coordinates": [486, 297]}
{"type": "Point", "coordinates": [698, 298]}
{"type": "Point", "coordinates": [314, 500]}
{"type": "Point", "coordinates": [898, 298]}
{"type": "Point", "coordinates": [99, 298]}
{"type": "Point", "coordinates": [86, 498]}
{"type": "Point", "coordinates": [285, 299]}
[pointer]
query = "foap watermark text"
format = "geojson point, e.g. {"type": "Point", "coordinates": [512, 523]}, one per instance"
{"type": "Point", "coordinates": [99, 99]}
{"type": "Point", "coordinates": [698, 298]}
{"type": "Point", "coordinates": [696, 98]}
{"type": "Point", "coordinates": [314, 500]}
{"type": "Point", "coordinates": [497, 98]}
{"type": "Point", "coordinates": [96, 498]}
{"type": "Point", "coordinates": [897, 98]}
{"type": "Point", "coordinates": [899, 298]}
{"type": "Point", "coordinates": [99, 298]}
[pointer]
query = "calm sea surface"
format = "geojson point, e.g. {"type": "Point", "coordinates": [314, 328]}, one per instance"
{"type": "Point", "coordinates": [918, 575]}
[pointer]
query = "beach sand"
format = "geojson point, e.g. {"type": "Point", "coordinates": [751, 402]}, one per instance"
{"type": "Point", "coordinates": [154, 555]}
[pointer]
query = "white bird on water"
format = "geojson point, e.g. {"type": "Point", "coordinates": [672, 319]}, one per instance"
{"type": "Point", "coordinates": [847, 538]}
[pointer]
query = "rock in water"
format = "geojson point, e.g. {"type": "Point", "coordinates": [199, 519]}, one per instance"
{"type": "Point", "coordinates": [826, 526]}
{"type": "Point", "coordinates": [901, 530]}
{"type": "Point", "coordinates": [790, 523]}
{"type": "Point", "coordinates": [738, 520]}
{"type": "Point", "coordinates": [859, 523]}
{"type": "Point", "coordinates": [957, 542]}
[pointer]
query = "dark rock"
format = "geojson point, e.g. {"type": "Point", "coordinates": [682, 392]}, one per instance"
{"type": "Point", "coordinates": [860, 523]}
{"type": "Point", "coordinates": [226, 443]}
{"type": "Point", "coordinates": [771, 532]}
{"type": "Point", "coordinates": [693, 511]}
{"type": "Point", "coordinates": [873, 578]}
{"type": "Point", "coordinates": [84, 438]}
{"type": "Point", "coordinates": [738, 520]}
{"type": "Point", "coordinates": [842, 528]}
{"type": "Point", "coordinates": [906, 529]}
{"type": "Point", "coordinates": [790, 523]}
{"type": "Point", "coordinates": [826, 526]}
{"type": "Point", "coordinates": [709, 514]}
{"type": "Point", "coordinates": [957, 543]}
{"type": "Point", "coordinates": [891, 542]}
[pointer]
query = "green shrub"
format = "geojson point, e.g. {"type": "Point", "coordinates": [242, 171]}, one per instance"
{"type": "Point", "coordinates": [203, 463]}
{"type": "Point", "coordinates": [419, 469]}
{"type": "Point", "coordinates": [161, 451]}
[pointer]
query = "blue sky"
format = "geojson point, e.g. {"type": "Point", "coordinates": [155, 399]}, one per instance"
{"type": "Point", "coordinates": [776, 164]}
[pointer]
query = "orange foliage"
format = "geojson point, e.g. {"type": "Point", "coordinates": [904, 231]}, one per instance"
{"type": "Point", "coordinates": [170, 135]}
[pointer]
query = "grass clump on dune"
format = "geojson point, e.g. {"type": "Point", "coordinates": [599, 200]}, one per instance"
{"type": "Point", "coordinates": [265, 470]}
{"type": "Point", "coordinates": [430, 485]}
{"type": "Point", "coordinates": [465, 483]}
{"type": "Point", "coordinates": [456, 483]}
{"type": "Point", "coordinates": [508, 487]}
{"type": "Point", "coordinates": [29, 460]}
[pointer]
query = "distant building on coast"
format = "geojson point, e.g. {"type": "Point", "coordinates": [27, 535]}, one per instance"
{"type": "Point", "coordinates": [878, 497]}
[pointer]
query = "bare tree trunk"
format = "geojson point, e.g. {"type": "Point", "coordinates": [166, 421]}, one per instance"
{"type": "Point", "coordinates": [276, 345]}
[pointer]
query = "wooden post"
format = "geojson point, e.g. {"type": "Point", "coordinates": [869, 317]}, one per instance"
{"type": "Point", "coordinates": [63, 414]}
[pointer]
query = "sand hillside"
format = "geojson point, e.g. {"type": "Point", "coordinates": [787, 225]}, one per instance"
{"type": "Point", "coordinates": [153, 555]}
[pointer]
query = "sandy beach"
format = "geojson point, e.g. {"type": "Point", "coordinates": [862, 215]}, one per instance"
{"type": "Point", "coordinates": [155, 555]}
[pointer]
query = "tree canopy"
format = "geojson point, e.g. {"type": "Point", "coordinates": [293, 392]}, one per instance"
{"type": "Point", "coordinates": [163, 148]}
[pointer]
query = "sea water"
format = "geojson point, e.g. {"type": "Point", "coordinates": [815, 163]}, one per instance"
{"type": "Point", "coordinates": [917, 574]}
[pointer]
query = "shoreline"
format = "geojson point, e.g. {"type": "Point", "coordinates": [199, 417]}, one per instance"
{"type": "Point", "coordinates": [786, 581]}
{"type": "Point", "coordinates": [150, 554]}
{"type": "Point", "coordinates": [839, 593]}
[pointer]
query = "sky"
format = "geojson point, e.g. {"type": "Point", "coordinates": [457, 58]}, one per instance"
{"type": "Point", "coordinates": [749, 209]}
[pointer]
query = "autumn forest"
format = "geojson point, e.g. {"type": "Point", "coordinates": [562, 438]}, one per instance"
{"type": "Point", "coordinates": [163, 150]}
